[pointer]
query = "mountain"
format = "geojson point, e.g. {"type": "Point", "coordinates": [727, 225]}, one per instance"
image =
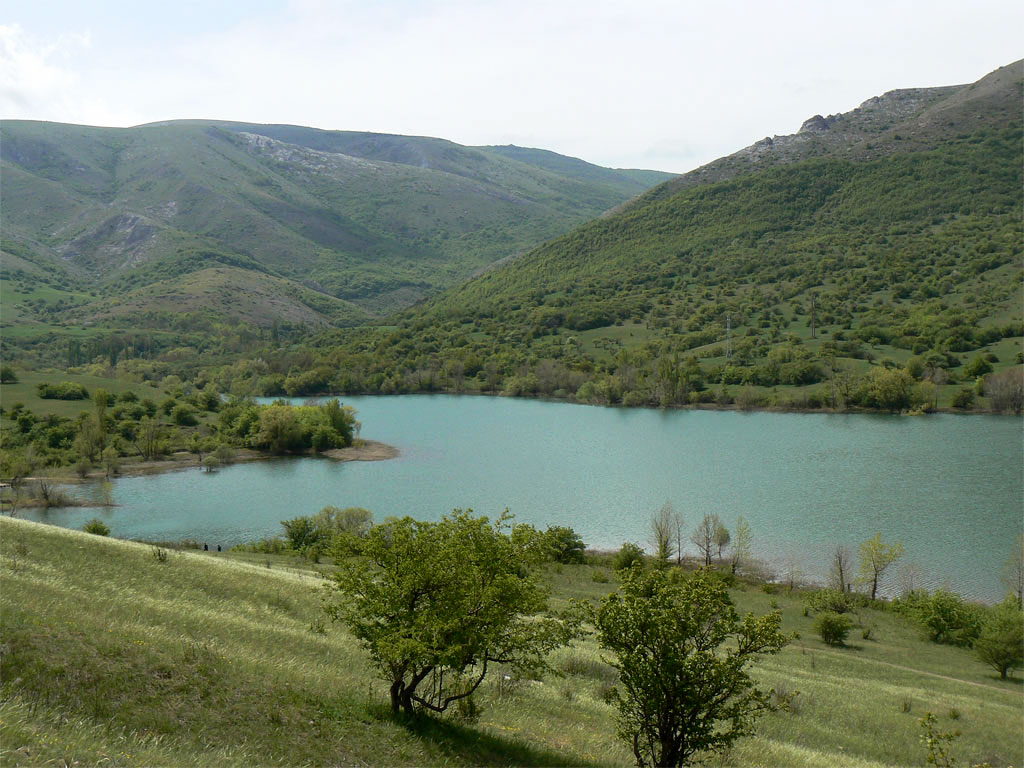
{"type": "Point", "coordinates": [893, 231]}
{"type": "Point", "coordinates": [340, 226]}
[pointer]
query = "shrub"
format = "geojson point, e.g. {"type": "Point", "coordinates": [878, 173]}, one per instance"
{"type": "Point", "coordinates": [8, 375]}
{"type": "Point", "coordinates": [964, 398]}
{"type": "Point", "coordinates": [564, 544]}
{"type": "Point", "coordinates": [629, 554]}
{"type": "Point", "coordinates": [1001, 643]}
{"type": "Point", "coordinates": [97, 527]}
{"type": "Point", "coordinates": [829, 600]}
{"type": "Point", "coordinates": [66, 390]}
{"type": "Point", "coordinates": [833, 627]}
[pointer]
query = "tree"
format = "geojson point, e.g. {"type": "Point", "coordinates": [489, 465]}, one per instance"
{"type": "Point", "coordinates": [681, 691]}
{"type": "Point", "coordinates": [722, 537]}
{"type": "Point", "coordinates": [440, 602]}
{"type": "Point", "coordinates": [840, 569]}
{"type": "Point", "coordinates": [1001, 644]}
{"type": "Point", "coordinates": [742, 546]}
{"type": "Point", "coordinates": [301, 533]}
{"type": "Point", "coordinates": [875, 558]}
{"type": "Point", "coordinates": [704, 536]}
{"type": "Point", "coordinates": [564, 545]}
{"type": "Point", "coordinates": [663, 529]}
{"type": "Point", "coordinates": [1013, 572]}
{"type": "Point", "coordinates": [331, 522]}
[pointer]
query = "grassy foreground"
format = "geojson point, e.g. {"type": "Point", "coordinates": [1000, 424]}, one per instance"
{"type": "Point", "coordinates": [112, 656]}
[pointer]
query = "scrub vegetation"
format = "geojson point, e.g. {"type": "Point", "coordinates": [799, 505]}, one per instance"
{"type": "Point", "coordinates": [196, 658]}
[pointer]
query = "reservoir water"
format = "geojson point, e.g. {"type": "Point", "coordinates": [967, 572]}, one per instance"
{"type": "Point", "coordinates": [951, 488]}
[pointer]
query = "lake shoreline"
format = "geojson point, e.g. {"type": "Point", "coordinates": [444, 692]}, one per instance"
{"type": "Point", "coordinates": [671, 407]}
{"type": "Point", "coordinates": [362, 450]}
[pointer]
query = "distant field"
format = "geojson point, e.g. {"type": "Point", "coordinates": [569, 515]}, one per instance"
{"type": "Point", "coordinates": [24, 391]}
{"type": "Point", "coordinates": [113, 657]}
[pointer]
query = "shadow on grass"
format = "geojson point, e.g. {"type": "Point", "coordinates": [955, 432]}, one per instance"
{"type": "Point", "coordinates": [475, 747]}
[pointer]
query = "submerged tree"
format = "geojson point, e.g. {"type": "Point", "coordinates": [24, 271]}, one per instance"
{"type": "Point", "coordinates": [682, 653]}
{"type": "Point", "coordinates": [436, 603]}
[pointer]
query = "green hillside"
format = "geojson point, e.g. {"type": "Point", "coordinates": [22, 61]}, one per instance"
{"type": "Point", "coordinates": [226, 659]}
{"type": "Point", "coordinates": [374, 221]}
{"type": "Point", "coordinates": [794, 273]}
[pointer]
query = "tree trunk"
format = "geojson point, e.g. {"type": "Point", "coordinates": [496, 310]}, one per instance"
{"type": "Point", "coordinates": [396, 695]}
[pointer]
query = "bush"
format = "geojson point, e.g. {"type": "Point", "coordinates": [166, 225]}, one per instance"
{"type": "Point", "coordinates": [829, 600]}
{"type": "Point", "coordinates": [564, 544]}
{"type": "Point", "coordinates": [8, 375]}
{"type": "Point", "coordinates": [66, 390]}
{"type": "Point", "coordinates": [964, 398]}
{"type": "Point", "coordinates": [833, 627]}
{"type": "Point", "coordinates": [1001, 643]}
{"type": "Point", "coordinates": [629, 554]}
{"type": "Point", "coordinates": [97, 527]}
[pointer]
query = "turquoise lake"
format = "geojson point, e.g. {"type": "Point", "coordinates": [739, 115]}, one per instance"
{"type": "Point", "coordinates": [951, 488]}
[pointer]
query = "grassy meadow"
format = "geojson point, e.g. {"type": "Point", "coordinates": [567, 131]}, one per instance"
{"type": "Point", "coordinates": [114, 656]}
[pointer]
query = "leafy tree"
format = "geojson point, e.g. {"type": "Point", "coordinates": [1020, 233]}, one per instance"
{"type": "Point", "coordinates": [301, 533]}
{"type": "Point", "coordinates": [722, 537]}
{"type": "Point", "coordinates": [875, 558]}
{"type": "Point", "coordinates": [682, 692]}
{"type": "Point", "coordinates": [564, 545]}
{"type": "Point", "coordinates": [742, 545]}
{"type": "Point", "coordinates": [440, 602]}
{"type": "Point", "coordinates": [331, 522]}
{"type": "Point", "coordinates": [628, 555]}
{"type": "Point", "coordinates": [663, 528]}
{"type": "Point", "coordinates": [1001, 643]}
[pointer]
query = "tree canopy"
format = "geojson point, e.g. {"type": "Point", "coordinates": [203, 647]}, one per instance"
{"type": "Point", "coordinates": [681, 692]}
{"type": "Point", "coordinates": [435, 603]}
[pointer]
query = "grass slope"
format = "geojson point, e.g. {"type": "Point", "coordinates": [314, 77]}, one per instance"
{"type": "Point", "coordinates": [378, 220]}
{"type": "Point", "coordinates": [110, 655]}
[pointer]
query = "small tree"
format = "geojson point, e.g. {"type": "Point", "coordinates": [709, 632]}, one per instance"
{"type": "Point", "coordinates": [437, 603]}
{"type": "Point", "coordinates": [722, 537]}
{"type": "Point", "coordinates": [1001, 644]}
{"type": "Point", "coordinates": [875, 558]}
{"type": "Point", "coordinates": [629, 554]}
{"type": "Point", "coordinates": [564, 545]}
{"type": "Point", "coordinates": [662, 534]}
{"type": "Point", "coordinates": [682, 692]}
{"type": "Point", "coordinates": [704, 537]}
{"type": "Point", "coordinates": [742, 545]}
{"type": "Point", "coordinates": [840, 574]}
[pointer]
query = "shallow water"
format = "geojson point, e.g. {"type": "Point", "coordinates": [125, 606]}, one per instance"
{"type": "Point", "coordinates": [951, 488]}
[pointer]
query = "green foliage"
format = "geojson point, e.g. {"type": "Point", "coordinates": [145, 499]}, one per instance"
{"type": "Point", "coordinates": [66, 390]}
{"type": "Point", "coordinates": [682, 693]}
{"type": "Point", "coordinates": [629, 555]}
{"type": "Point", "coordinates": [302, 533]}
{"type": "Point", "coordinates": [833, 600]}
{"type": "Point", "coordinates": [97, 527]}
{"type": "Point", "coordinates": [833, 627]}
{"type": "Point", "coordinates": [437, 603]}
{"type": "Point", "coordinates": [564, 545]}
{"type": "Point", "coordinates": [963, 399]}
{"type": "Point", "coordinates": [875, 559]}
{"type": "Point", "coordinates": [8, 374]}
{"type": "Point", "coordinates": [1001, 642]}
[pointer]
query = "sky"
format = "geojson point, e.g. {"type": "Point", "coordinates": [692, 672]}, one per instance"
{"type": "Point", "coordinates": [662, 84]}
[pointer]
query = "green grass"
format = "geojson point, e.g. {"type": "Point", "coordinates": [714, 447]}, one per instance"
{"type": "Point", "coordinates": [109, 655]}
{"type": "Point", "coordinates": [24, 391]}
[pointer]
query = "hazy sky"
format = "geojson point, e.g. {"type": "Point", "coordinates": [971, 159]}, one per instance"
{"type": "Point", "coordinates": [630, 83]}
